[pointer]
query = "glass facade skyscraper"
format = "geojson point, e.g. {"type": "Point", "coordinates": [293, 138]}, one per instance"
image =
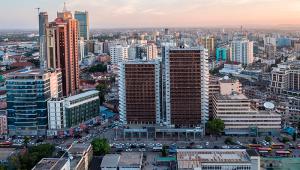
{"type": "Point", "coordinates": [83, 18]}
{"type": "Point", "coordinates": [27, 94]}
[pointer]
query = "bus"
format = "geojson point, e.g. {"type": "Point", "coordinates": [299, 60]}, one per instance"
{"type": "Point", "coordinates": [283, 153]}
{"type": "Point", "coordinates": [264, 149]}
{"type": "Point", "coordinates": [254, 146]}
{"type": "Point", "coordinates": [5, 144]}
{"type": "Point", "coordinates": [277, 146]}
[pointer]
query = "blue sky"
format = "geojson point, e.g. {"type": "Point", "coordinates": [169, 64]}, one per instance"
{"type": "Point", "coordinates": [156, 13]}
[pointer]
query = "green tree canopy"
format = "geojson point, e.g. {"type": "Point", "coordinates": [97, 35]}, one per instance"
{"type": "Point", "coordinates": [98, 68]}
{"type": "Point", "coordinates": [32, 156]}
{"type": "Point", "coordinates": [215, 126]}
{"type": "Point", "coordinates": [102, 88]}
{"type": "Point", "coordinates": [100, 146]}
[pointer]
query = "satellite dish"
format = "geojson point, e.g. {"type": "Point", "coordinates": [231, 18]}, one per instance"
{"type": "Point", "coordinates": [269, 105]}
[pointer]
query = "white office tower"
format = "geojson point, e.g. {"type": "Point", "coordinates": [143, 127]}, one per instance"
{"type": "Point", "coordinates": [269, 40]}
{"type": "Point", "coordinates": [81, 49]}
{"type": "Point", "coordinates": [185, 88]}
{"type": "Point", "coordinates": [151, 51]}
{"type": "Point", "coordinates": [139, 92]}
{"type": "Point", "coordinates": [98, 47]}
{"type": "Point", "coordinates": [242, 51]}
{"type": "Point", "coordinates": [118, 53]}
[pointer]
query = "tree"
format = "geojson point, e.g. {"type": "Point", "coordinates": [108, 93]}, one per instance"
{"type": "Point", "coordinates": [98, 68]}
{"type": "Point", "coordinates": [100, 146]}
{"type": "Point", "coordinates": [285, 140]}
{"type": "Point", "coordinates": [102, 88]}
{"type": "Point", "coordinates": [164, 151]}
{"type": "Point", "coordinates": [294, 136]}
{"type": "Point", "coordinates": [215, 127]}
{"type": "Point", "coordinates": [229, 141]}
{"type": "Point", "coordinates": [33, 155]}
{"type": "Point", "coordinates": [26, 141]}
{"type": "Point", "coordinates": [268, 139]}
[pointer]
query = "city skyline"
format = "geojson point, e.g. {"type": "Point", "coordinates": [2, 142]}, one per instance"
{"type": "Point", "coordinates": [156, 13]}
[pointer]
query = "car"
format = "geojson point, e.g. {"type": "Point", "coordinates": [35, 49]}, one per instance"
{"type": "Point", "coordinates": [199, 147]}
{"type": "Point", "coordinates": [128, 150]}
{"type": "Point", "coordinates": [225, 147]}
{"type": "Point", "coordinates": [207, 143]}
{"type": "Point", "coordinates": [142, 150]}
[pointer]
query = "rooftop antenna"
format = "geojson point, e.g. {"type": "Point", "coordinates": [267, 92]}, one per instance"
{"type": "Point", "coordinates": [65, 7]}
{"type": "Point", "coordinates": [38, 9]}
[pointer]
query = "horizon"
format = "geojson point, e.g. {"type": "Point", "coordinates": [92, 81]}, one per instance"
{"type": "Point", "coordinates": [113, 14]}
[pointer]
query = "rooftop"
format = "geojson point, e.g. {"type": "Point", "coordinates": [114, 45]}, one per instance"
{"type": "Point", "coordinates": [51, 163]}
{"type": "Point", "coordinates": [231, 97]}
{"type": "Point", "coordinates": [84, 94]}
{"type": "Point", "coordinates": [79, 148]}
{"type": "Point", "coordinates": [191, 158]}
{"type": "Point", "coordinates": [131, 159]}
{"type": "Point", "coordinates": [110, 160]}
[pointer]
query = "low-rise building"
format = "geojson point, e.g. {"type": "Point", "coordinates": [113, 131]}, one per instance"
{"type": "Point", "coordinates": [215, 159]}
{"type": "Point", "coordinates": [110, 162]}
{"type": "Point", "coordinates": [130, 161]}
{"type": "Point", "coordinates": [81, 156]}
{"type": "Point", "coordinates": [231, 69]}
{"type": "Point", "coordinates": [53, 164]}
{"type": "Point", "coordinates": [65, 113]}
{"type": "Point", "coordinates": [240, 118]}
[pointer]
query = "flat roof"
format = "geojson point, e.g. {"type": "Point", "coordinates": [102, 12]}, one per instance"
{"type": "Point", "coordinates": [110, 160]}
{"type": "Point", "coordinates": [51, 163]}
{"type": "Point", "coordinates": [79, 148]}
{"type": "Point", "coordinates": [131, 159]}
{"type": "Point", "coordinates": [191, 158]}
{"type": "Point", "coordinates": [231, 97]}
{"type": "Point", "coordinates": [84, 94]}
{"type": "Point", "coordinates": [6, 153]}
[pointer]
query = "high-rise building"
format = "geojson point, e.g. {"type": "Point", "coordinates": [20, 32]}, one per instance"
{"type": "Point", "coordinates": [62, 50]}
{"type": "Point", "coordinates": [27, 94]}
{"type": "Point", "coordinates": [209, 44]}
{"type": "Point", "coordinates": [297, 46]}
{"type": "Point", "coordinates": [223, 54]}
{"type": "Point", "coordinates": [84, 25]}
{"type": "Point", "coordinates": [151, 51]}
{"type": "Point", "coordinates": [118, 53]}
{"type": "Point", "coordinates": [65, 113]}
{"type": "Point", "coordinates": [139, 92]}
{"type": "Point", "coordinates": [186, 86]}
{"type": "Point", "coordinates": [98, 47]}
{"type": "Point", "coordinates": [213, 88]}
{"type": "Point", "coordinates": [43, 23]}
{"type": "Point", "coordinates": [242, 51]}
{"type": "Point", "coordinates": [81, 49]}
{"type": "Point", "coordinates": [270, 50]}
{"type": "Point", "coordinates": [3, 123]}
{"type": "Point", "coordinates": [270, 40]}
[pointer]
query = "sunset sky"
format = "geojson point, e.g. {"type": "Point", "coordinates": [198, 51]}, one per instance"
{"type": "Point", "coordinates": [156, 13]}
